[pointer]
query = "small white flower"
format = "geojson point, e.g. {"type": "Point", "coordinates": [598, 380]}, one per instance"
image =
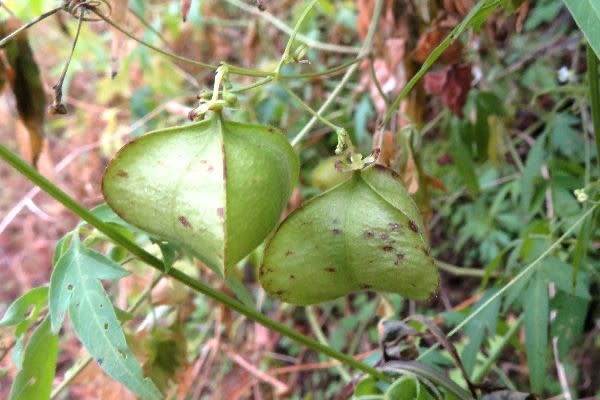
{"type": "Point", "coordinates": [565, 75]}
{"type": "Point", "coordinates": [581, 195]}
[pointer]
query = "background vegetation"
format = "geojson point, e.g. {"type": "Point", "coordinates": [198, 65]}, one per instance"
{"type": "Point", "coordinates": [495, 140]}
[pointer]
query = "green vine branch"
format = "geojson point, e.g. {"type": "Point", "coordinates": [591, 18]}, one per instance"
{"type": "Point", "coordinates": [315, 44]}
{"type": "Point", "coordinates": [364, 51]}
{"type": "Point", "coordinates": [34, 176]}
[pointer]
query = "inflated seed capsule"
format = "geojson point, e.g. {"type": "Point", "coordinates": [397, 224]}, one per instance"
{"type": "Point", "coordinates": [364, 234]}
{"type": "Point", "coordinates": [217, 187]}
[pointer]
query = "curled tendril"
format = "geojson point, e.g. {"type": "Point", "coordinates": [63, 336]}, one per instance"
{"type": "Point", "coordinates": [91, 9]}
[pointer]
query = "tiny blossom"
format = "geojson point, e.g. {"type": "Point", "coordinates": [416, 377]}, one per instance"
{"type": "Point", "coordinates": [581, 195]}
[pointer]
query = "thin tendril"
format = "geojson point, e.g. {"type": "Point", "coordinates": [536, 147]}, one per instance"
{"type": "Point", "coordinates": [57, 106]}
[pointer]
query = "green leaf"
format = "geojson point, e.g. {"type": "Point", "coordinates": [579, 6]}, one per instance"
{"type": "Point", "coordinates": [367, 386]}
{"type": "Point", "coordinates": [60, 247]}
{"type": "Point", "coordinates": [34, 380]}
{"type": "Point", "coordinates": [532, 172]}
{"type": "Point", "coordinates": [535, 304]}
{"type": "Point", "coordinates": [568, 325]}
{"type": "Point", "coordinates": [561, 273]}
{"type": "Point", "coordinates": [586, 14]}
{"type": "Point", "coordinates": [479, 328]}
{"type": "Point", "coordinates": [405, 388]}
{"type": "Point", "coordinates": [75, 285]}
{"type": "Point", "coordinates": [463, 161]}
{"type": "Point", "coordinates": [71, 268]}
{"type": "Point", "coordinates": [240, 290]}
{"type": "Point", "coordinates": [18, 311]}
{"type": "Point", "coordinates": [96, 325]}
{"type": "Point", "coordinates": [565, 137]}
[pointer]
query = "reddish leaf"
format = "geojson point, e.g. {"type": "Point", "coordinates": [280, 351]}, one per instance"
{"type": "Point", "coordinates": [2, 75]}
{"type": "Point", "coordinates": [459, 7]}
{"type": "Point", "coordinates": [433, 36]}
{"type": "Point", "coordinates": [452, 84]}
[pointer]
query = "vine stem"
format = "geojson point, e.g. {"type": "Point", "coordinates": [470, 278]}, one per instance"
{"type": "Point", "coordinates": [308, 108]}
{"type": "Point", "coordinates": [300, 37]}
{"type": "Point", "coordinates": [288, 47]}
{"type": "Point", "coordinates": [365, 49]}
{"type": "Point", "coordinates": [45, 15]}
{"type": "Point", "coordinates": [34, 176]}
{"type": "Point", "coordinates": [593, 81]}
{"type": "Point", "coordinates": [316, 328]}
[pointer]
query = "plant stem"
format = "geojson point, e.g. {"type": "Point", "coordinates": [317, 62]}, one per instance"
{"type": "Point", "coordinates": [459, 271]}
{"type": "Point", "coordinates": [45, 15]}
{"type": "Point", "coordinates": [497, 350]}
{"type": "Point", "coordinates": [299, 37]}
{"type": "Point", "coordinates": [288, 47]}
{"type": "Point", "coordinates": [34, 176]}
{"type": "Point", "coordinates": [308, 108]}
{"type": "Point", "coordinates": [316, 329]}
{"type": "Point", "coordinates": [365, 49]}
{"type": "Point", "coordinates": [57, 105]}
{"type": "Point", "coordinates": [435, 54]}
{"type": "Point", "coordinates": [593, 81]}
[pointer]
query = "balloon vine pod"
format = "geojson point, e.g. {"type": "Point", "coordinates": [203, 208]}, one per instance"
{"type": "Point", "coordinates": [217, 187]}
{"type": "Point", "coordinates": [363, 234]}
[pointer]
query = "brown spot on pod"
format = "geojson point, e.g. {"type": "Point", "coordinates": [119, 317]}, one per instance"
{"type": "Point", "coordinates": [279, 292]}
{"type": "Point", "coordinates": [184, 221]}
{"type": "Point", "coordinates": [289, 253]}
{"type": "Point", "coordinates": [413, 227]}
{"type": "Point", "coordinates": [394, 227]}
{"type": "Point", "coordinates": [122, 174]}
{"type": "Point", "coordinates": [387, 249]}
{"type": "Point", "coordinates": [364, 286]}
{"type": "Point", "coordinates": [399, 258]}
{"type": "Point", "coordinates": [425, 251]}
{"type": "Point", "coordinates": [336, 231]}
{"type": "Point", "coordinates": [292, 276]}
{"type": "Point", "coordinates": [369, 234]}
{"type": "Point", "coordinates": [330, 269]}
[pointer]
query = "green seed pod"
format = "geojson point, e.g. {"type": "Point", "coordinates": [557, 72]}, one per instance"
{"type": "Point", "coordinates": [217, 187]}
{"type": "Point", "coordinates": [326, 175]}
{"type": "Point", "coordinates": [364, 234]}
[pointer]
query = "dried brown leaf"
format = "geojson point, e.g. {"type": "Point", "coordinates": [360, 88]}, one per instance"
{"type": "Point", "coordinates": [26, 84]}
{"type": "Point", "coordinates": [458, 7]}
{"type": "Point", "coordinates": [452, 84]}
{"type": "Point", "coordinates": [2, 75]}
{"type": "Point", "coordinates": [522, 12]}
{"type": "Point", "coordinates": [430, 39]}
